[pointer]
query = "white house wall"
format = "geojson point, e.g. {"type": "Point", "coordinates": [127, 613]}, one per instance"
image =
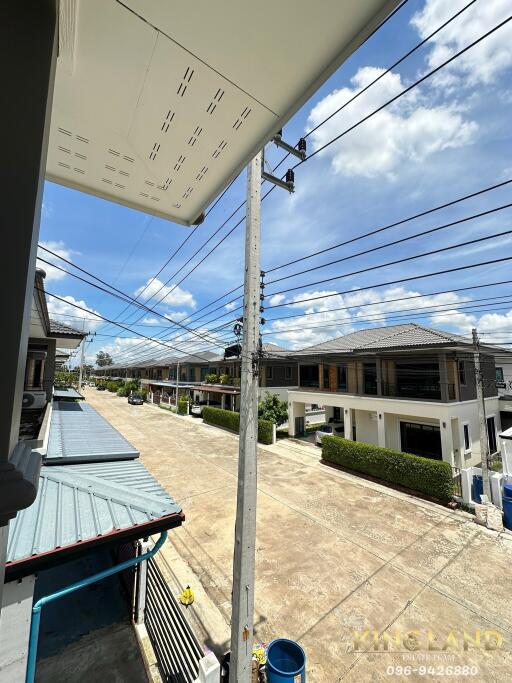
{"type": "Point", "coordinates": [449, 416]}
{"type": "Point", "coordinates": [14, 629]}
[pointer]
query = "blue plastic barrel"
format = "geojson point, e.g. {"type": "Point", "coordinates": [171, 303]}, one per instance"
{"type": "Point", "coordinates": [507, 505]}
{"type": "Point", "coordinates": [477, 488]}
{"type": "Point", "coordinates": [286, 661]}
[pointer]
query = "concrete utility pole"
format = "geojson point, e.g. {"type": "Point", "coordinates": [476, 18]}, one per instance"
{"type": "Point", "coordinates": [82, 356]}
{"type": "Point", "coordinates": [240, 669]}
{"type": "Point", "coordinates": [177, 383]}
{"type": "Point", "coordinates": [484, 440]}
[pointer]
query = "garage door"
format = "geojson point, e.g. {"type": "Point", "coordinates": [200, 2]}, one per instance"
{"type": "Point", "coordinates": [421, 439]}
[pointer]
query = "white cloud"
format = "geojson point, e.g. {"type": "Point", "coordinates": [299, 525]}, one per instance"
{"type": "Point", "coordinates": [300, 332]}
{"type": "Point", "coordinates": [406, 131]}
{"type": "Point", "coordinates": [88, 319]}
{"type": "Point", "coordinates": [59, 248]}
{"type": "Point", "coordinates": [482, 64]}
{"type": "Point", "coordinates": [151, 321]}
{"type": "Point", "coordinates": [230, 306]}
{"type": "Point", "coordinates": [276, 299]}
{"type": "Point", "coordinates": [170, 295]}
{"type": "Point", "coordinates": [494, 327]}
{"type": "Point", "coordinates": [321, 321]}
{"type": "Point", "coordinates": [453, 319]}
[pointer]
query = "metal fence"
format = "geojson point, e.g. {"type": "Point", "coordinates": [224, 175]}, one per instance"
{"type": "Point", "coordinates": [494, 461]}
{"type": "Point", "coordinates": [176, 648]}
{"type": "Point", "coordinates": [457, 482]}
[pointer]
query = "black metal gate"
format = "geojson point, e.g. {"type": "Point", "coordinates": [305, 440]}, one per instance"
{"type": "Point", "coordinates": [176, 648]}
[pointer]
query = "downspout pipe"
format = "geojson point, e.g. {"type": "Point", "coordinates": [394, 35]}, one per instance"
{"type": "Point", "coordinates": [37, 608]}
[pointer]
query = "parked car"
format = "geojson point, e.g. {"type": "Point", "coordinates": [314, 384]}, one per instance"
{"type": "Point", "coordinates": [197, 408]}
{"type": "Point", "coordinates": [101, 387]}
{"type": "Point", "coordinates": [135, 399]}
{"type": "Point", "coordinates": [332, 429]}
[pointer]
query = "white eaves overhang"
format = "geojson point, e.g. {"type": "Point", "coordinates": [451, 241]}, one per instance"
{"type": "Point", "coordinates": [158, 105]}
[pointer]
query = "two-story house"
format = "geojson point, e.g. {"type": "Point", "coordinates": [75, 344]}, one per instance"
{"type": "Point", "coordinates": [406, 387]}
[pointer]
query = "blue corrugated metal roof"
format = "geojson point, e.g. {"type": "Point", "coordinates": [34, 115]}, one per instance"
{"type": "Point", "coordinates": [79, 503]}
{"type": "Point", "coordinates": [78, 433]}
{"type": "Point", "coordinates": [66, 392]}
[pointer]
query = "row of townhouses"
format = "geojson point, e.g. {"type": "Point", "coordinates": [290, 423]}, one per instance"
{"type": "Point", "coordinates": [278, 373]}
{"type": "Point", "coordinates": [406, 387]}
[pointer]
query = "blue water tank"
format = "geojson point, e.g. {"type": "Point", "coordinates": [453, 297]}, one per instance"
{"type": "Point", "coordinates": [477, 488]}
{"type": "Point", "coordinates": [507, 505]}
{"type": "Point", "coordinates": [285, 662]}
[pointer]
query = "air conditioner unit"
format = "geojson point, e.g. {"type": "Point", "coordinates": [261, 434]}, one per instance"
{"type": "Point", "coordinates": [34, 400]}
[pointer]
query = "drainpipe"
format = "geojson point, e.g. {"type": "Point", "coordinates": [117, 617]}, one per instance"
{"type": "Point", "coordinates": [37, 608]}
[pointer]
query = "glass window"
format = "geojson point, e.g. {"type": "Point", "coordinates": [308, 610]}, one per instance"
{"type": "Point", "coordinates": [499, 375]}
{"type": "Point", "coordinates": [491, 435]}
{"type": "Point", "coordinates": [467, 438]}
{"type": "Point", "coordinates": [326, 377]}
{"type": "Point", "coordinates": [462, 373]}
{"type": "Point", "coordinates": [342, 378]}
{"type": "Point", "coordinates": [288, 372]}
{"type": "Point", "coordinates": [370, 378]}
{"type": "Point", "coordinates": [269, 372]}
{"type": "Point", "coordinates": [336, 413]}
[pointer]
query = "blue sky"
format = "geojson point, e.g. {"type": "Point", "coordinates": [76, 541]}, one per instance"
{"type": "Point", "coordinates": [447, 138]}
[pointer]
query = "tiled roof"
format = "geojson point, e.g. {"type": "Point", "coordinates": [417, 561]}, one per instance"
{"type": "Point", "coordinates": [78, 433]}
{"type": "Point", "coordinates": [60, 330]}
{"type": "Point", "coordinates": [79, 503]}
{"type": "Point", "coordinates": [394, 336]}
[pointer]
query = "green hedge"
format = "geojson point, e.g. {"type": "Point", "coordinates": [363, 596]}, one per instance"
{"type": "Point", "coordinates": [231, 420]}
{"type": "Point", "coordinates": [182, 406]}
{"type": "Point", "coordinates": [432, 477]}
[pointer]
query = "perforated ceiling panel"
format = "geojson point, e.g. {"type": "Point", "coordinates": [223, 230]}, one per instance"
{"type": "Point", "coordinates": [159, 105]}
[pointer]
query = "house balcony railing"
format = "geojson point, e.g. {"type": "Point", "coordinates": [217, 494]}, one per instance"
{"type": "Point", "coordinates": [430, 392]}
{"type": "Point", "coordinates": [310, 383]}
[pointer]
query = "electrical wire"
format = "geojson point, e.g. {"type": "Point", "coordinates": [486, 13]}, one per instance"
{"type": "Point", "coordinates": [328, 118]}
{"type": "Point", "coordinates": [394, 282]}
{"type": "Point", "coordinates": [413, 85]}
{"type": "Point", "coordinates": [384, 228]}
{"type": "Point", "coordinates": [402, 260]}
{"type": "Point", "coordinates": [402, 240]}
{"type": "Point", "coordinates": [102, 317]}
{"type": "Point", "coordinates": [117, 293]}
{"type": "Point", "coordinates": [383, 318]}
{"type": "Point", "coordinates": [405, 298]}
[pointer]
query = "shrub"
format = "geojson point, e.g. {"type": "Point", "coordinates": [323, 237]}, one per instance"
{"type": "Point", "coordinates": [224, 379]}
{"type": "Point", "coordinates": [212, 378]}
{"type": "Point", "coordinates": [112, 386]}
{"type": "Point", "coordinates": [265, 431]}
{"type": "Point", "coordinates": [182, 406]}
{"type": "Point", "coordinates": [231, 420]}
{"type": "Point", "coordinates": [144, 394]}
{"type": "Point", "coordinates": [273, 409]}
{"type": "Point", "coordinates": [431, 477]}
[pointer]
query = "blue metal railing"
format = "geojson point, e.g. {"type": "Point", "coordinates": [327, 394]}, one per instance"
{"type": "Point", "coordinates": [36, 609]}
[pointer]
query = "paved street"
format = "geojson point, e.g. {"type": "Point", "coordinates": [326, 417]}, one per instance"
{"type": "Point", "coordinates": [335, 554]}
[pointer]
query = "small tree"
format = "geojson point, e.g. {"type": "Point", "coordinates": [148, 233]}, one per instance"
{"type": "Point", "coordinates": [212, 378]}
{"type": "Point", "coordinates": [103, 359]}
{"type": "Point", "coordinates": [273, 409]}
{"type": "Point", "coordinates": [225, 379]}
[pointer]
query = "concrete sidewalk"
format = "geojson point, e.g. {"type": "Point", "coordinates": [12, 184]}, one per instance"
{"type": "Point", "coordinates": [335, 554]}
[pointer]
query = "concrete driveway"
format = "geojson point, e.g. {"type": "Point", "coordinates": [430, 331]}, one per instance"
{"type": "Point", "coordinates": [335, 555]}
